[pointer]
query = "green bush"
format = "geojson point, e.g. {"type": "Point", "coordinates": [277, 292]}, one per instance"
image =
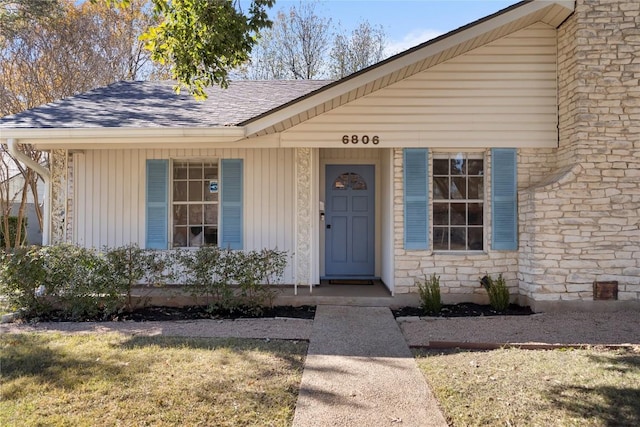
{"type": "Point", "coordinates": [22, 277]}
{"type": "Point", "coordinates": [429, 292]}
{"type": "Point", "coordinates": [13, 228]}
{"type": "Point", "coordinates": [83, 283]}
{"type": "Point", "coordinates": [232, 279]}
{"type": "Point", "coordinates": [497, 291]}
{"type": "Point", "coordinates": [131, 266]}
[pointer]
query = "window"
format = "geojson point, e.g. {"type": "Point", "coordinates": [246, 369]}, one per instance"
{"type": "Point", "coordinates": [349, 180]}
{"type": "Point", "coordinates": [195, 203]}
{"type": "Point", "coordinates": [458, 201]}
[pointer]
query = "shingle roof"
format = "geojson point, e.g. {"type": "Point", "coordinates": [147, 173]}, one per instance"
{"type": "Point", "coordinates": [155, 104]}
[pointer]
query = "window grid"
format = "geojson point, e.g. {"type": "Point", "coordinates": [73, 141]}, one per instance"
{"type": "Point", "coordinates": [458, 202]}
{"type": "Point", "coordinates": [195, 203]}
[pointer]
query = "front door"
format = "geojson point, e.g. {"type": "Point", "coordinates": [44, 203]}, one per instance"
{"type": "Point", "coordinates": [349, 220]}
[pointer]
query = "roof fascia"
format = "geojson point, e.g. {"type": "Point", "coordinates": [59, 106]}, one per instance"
{"type": "Point", "coordinates": [397, 62]}
{"type": "Point", "coordinates": [71, 137]}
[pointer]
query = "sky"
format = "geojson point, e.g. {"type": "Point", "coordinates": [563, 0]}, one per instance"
{"type": "Point", "coordinates": [407, 23]}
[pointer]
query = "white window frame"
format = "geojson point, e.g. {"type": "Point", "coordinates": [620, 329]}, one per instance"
{"type": "Point", "coordinates": [469, 155]}
{"type": "Point", "coordinates": [192, 244]}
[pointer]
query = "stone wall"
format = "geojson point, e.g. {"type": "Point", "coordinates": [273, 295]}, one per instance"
{"type": "Point", "coordinates": [582, 223]}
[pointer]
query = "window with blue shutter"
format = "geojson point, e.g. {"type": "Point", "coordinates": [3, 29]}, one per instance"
{"type": "Point", "coordinates": [157, 204]}
{"type": "Point", "coordinates": [416, 198]}
{"type": "Point", "coordinates": [231, 204]}
{"type": "Point", "coordinates": [504, 199]}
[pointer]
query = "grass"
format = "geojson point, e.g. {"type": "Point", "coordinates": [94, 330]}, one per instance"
{"type": "Point", "coordinates": [512, 387]}
{"type": "Point", "coordinates": [113, 379]}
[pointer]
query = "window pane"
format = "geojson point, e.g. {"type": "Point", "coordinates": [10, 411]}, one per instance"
{"type": "Point", "coordinates": [208, 195]}
{"type": "Point", "coordinates": [458, 213]}
{"type": "Point", "coordinates": [342, 182]}
{"type": "Point", "coordinates": [180, 191]}
{"type": "Point", "coordinates": [211, 235]}
{"type": "Point", "coordinates": [476, 167]}
{"type": "Point", "coordinates": [195, 214]}
{"type": "Point", "coordinates": [475, 239]}
{"type": "Point", "coordinates": [195, 191]}
{"type": "Point", "coordinates": [211, 172]}
{"type": "Point", "coordinates": [195, 171]}
{"type": "Point", "coordinates": [441, 238]}
{"type": "Point", "coordinates": [458, 238]}
{"type": "Point", "coordinates": [476, 188]}
{"type": "Point", "coordinates": [179, 170]}
{"type": "Point", "coordinates": [440, 166]}
{"type": "Point", "coordinates": [458, 165]}
{"type": "Point", "coordinates": [179, 237]}
{"type": "Point", "coordinates": [211, 214]}
{"type": "Point", "coordinates": [357, 182]}
{"type": "Point", "coordinates": [196, 235]}
{"type": "Point", "coordinates": [475, 214]}
{"type": "Point", "coordinates": [459, 188]}
{"type": "Point", "coordinates": [441, 188]}
{"type": "Point", "coordinates": [441, 213]}
{"type": "Point", "coordinates": [179, 215]}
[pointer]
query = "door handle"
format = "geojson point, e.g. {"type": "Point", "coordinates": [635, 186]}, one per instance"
{"type": "Point", "coordinates": [328, 226]}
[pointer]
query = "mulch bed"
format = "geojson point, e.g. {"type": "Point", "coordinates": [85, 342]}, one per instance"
{"type": "Point", "coordinates": [154, 313]}
{"type": "Point", "coordinates": [465, 310]}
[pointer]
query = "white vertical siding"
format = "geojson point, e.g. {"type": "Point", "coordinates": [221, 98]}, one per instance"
{"type": "Point", "coordinates": [503, 93]}
{"type": "Point", "coordinates": [110, 196]}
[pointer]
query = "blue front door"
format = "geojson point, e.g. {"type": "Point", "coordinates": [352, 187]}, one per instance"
{"type": "Point", "coordinates": [349, 220]}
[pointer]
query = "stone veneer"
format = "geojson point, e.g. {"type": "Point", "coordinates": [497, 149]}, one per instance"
{"type": "Point", "coordinates": [582, 223]}
{"type": "Point", "coordinates": [579, 205]}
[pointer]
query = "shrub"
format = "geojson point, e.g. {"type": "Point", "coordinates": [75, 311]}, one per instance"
{"type": "Point", "coordinates": [232, 279]}
{"type": "Point", "coordinates": [22, 276]}
{"type": "Point", "coordinates": [80, 282]}
{"type": "Point", "coordinates": [429, 292]}
{"type": "Point", "coordinates": [131, 266]}
{"type": "Point", "coordinates": [497, 291]}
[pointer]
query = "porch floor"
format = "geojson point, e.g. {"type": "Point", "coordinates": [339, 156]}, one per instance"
{"type": "Point", "coordinates": [375, 295]}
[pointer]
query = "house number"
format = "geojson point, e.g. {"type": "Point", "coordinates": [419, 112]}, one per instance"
{"type": "Point", "coordinates": [360, 139]}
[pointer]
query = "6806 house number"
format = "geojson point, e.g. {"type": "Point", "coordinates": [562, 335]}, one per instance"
{"type": "Point", "coordinates": [361, 139]}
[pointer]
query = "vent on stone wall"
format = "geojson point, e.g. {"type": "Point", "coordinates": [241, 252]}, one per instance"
{"type": "Point", "coordinates": [605, 290]}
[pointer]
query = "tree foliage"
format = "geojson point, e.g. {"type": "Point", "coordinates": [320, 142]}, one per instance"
{"type": "Point", "coordinates": [364, 47]}
{"type": "Point", "coordinates": [63, 47]}
{"type": "Point", "coordinates": [299, 45]}
{"type": "Point", "coordinates": [204, 39]}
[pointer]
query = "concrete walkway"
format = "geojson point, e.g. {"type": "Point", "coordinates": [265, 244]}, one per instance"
{"type": "Point", "coordinates": [360, 372]}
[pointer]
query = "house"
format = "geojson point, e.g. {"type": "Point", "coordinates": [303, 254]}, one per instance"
{"type": "Point", "coordinates": [510, 145]}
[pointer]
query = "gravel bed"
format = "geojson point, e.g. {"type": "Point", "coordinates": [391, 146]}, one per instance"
{"type": "Point", "coordinates": [550, 328]}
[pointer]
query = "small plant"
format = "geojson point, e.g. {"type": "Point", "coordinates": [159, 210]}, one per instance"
{"type": "Point", "coordinates": [429, 291]}
{"type": "Point", "coordinates": [497, 291]}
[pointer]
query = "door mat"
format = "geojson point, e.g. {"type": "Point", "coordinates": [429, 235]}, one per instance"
{"type": "Point", "coordinates": [350, 282]}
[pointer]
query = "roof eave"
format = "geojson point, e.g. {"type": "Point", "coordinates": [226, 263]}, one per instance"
{"type": "Point", "coordinates": [73, 137]}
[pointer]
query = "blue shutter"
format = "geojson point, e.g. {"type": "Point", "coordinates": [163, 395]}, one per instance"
{"type": "Point", "coordinates": [231, 204]}
{"type": "Point", "coordinates": [157, 204]}
{"type": "Point", "coordinates": [504, 199]}
{"type": "Point", "coordinates": [416, 198]}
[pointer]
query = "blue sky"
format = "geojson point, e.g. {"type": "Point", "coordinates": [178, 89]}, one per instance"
{"type": "Point", "coordinates": [406, 22]}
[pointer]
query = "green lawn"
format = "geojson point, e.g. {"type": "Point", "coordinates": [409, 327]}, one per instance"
{"type": "Point", "coordinates": [512, 387]}
{"type": "Point", "coordinates": [113, 379]}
